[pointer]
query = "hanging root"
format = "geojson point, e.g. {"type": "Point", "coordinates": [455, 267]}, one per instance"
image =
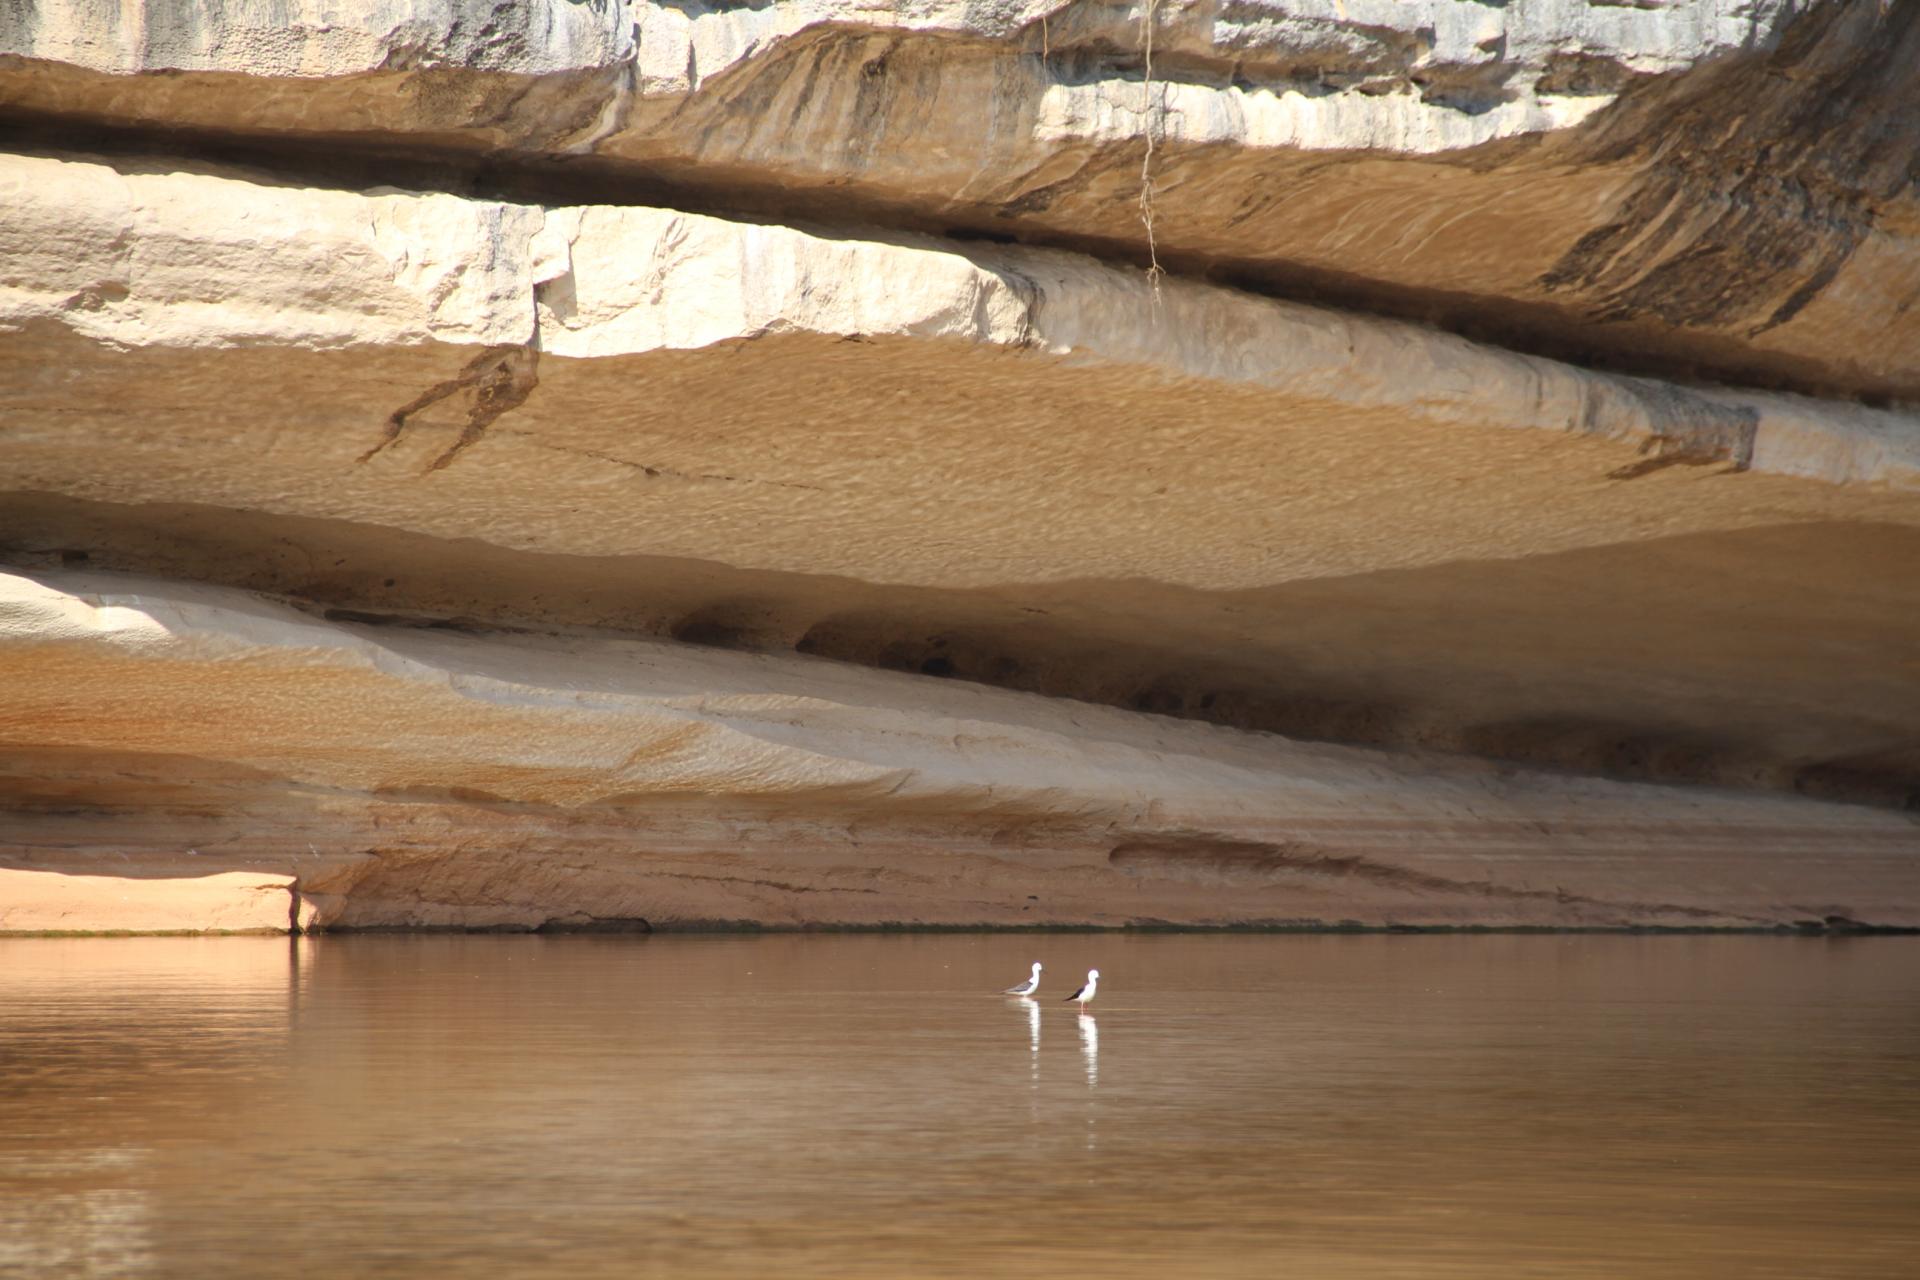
{"type": "Point", "coordinates": [1154, 271]}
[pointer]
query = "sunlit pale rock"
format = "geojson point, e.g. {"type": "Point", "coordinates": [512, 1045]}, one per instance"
{"type": "Point", "coordinates": [1007, 464]}
{"type": "Point", "coordinates": [1695, 184]}
{"type": "Point", "coordinates": [118, 895]}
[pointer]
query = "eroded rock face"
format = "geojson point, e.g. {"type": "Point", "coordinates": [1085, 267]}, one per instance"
{"type": "Point", "coordinates": [397, 776]}
{"type": "Point", "coordinates": [1006, 464]}
{"type": "Point", "coordinates": [1688, 185]}
{"type": "Point", "coordinates": [488, 340]}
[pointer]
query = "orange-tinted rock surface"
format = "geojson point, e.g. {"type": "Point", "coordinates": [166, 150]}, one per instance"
{"type": "Point", "coordinates": [766, 346]}
{"type": "Point", "coordinates": [402, 776]}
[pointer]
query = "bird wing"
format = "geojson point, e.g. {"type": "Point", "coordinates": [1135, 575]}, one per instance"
{"type": "Point", "coordinates": [1020, 990]}
{"type": "Point", "coordinates": [1076, 995]}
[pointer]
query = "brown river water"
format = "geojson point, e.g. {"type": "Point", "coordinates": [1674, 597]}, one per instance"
{"type": "Point", "coordinates": [865, 1105]}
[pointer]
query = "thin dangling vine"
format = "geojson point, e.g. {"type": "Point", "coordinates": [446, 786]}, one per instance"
{"type": "Point", "coordinates": [1147, 15]}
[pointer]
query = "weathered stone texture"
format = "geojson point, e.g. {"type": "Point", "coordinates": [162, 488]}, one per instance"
{"type": "Point", "coordinates": [820, 328]}
{"type": "Point", "coordinates": [406, 777]}
{"type": "Point", "coordinates": [1713, 185]}
{"type": "Point", "coordinates": [1031, 458]}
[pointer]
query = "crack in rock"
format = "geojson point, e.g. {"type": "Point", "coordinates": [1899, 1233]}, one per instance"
{"type": "Point", "coordinates": [1255, 861]}
{"type": "Point", "coordinates": [499, 379]}
{"type": "Point", "coordinates": [653, 472]}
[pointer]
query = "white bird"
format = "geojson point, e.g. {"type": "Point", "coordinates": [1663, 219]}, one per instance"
{"type": "Point", "coordinates": [1085, 993]}
{"type": "Point", "coordinates": [1027, 988]}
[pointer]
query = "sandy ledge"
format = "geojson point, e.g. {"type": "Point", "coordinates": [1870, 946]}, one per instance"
{"type": "Point", "coordinates": [227, 762]}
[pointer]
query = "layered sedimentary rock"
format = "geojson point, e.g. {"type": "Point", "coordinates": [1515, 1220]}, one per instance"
{"type": "Point", "coordinates": [1699, 183]}
{"type": "Point", "coordinates": [568, 324]}
{"type": "Point", "coordinates": [1000, 463]}
{"type": "Point", "coordinates": [390, 776]}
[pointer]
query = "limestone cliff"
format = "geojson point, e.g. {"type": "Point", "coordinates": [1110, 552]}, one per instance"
{"type": "Point", "coordinates": [550, 341]}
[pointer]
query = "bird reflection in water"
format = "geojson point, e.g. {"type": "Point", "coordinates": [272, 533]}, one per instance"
{"type": "Point", "coordinates": [1033, 1032]}
{"type": "Point", "coordinates": [1033, 1069]}
{"type": "Point", "coordinates": [1090, 1050]}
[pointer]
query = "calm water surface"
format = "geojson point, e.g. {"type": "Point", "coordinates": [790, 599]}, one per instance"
{"type": "Point", "coordinates": [864, 1106]}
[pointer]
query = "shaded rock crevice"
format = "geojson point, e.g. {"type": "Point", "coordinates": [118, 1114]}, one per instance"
{"type": "Point", "coordinates": [678, 786]}
{"type": "Point", "coordinates": [1190, 855]}
{"type": "Point", "coordinates": [1744, 235]}
{"type": "Point", "coordinates": [1690, 664]}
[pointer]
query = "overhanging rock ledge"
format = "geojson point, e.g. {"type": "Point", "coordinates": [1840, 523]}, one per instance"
{"type": "Point", "coordinates": [599, 462]}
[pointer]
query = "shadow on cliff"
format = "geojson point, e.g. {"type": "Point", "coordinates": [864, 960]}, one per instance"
{"type": "Point", "coordinates": [1775, 657]}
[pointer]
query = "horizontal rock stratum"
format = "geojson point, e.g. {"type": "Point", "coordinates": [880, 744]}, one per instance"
{"type": "Point", "coordinates": [1015, 465]}
{"type": "Point", "coordinates": [394, 776]}
{"type": "Point", "coordinates": [481, 394]}
{"type": "Point", "coordinates": [1710, 184]}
